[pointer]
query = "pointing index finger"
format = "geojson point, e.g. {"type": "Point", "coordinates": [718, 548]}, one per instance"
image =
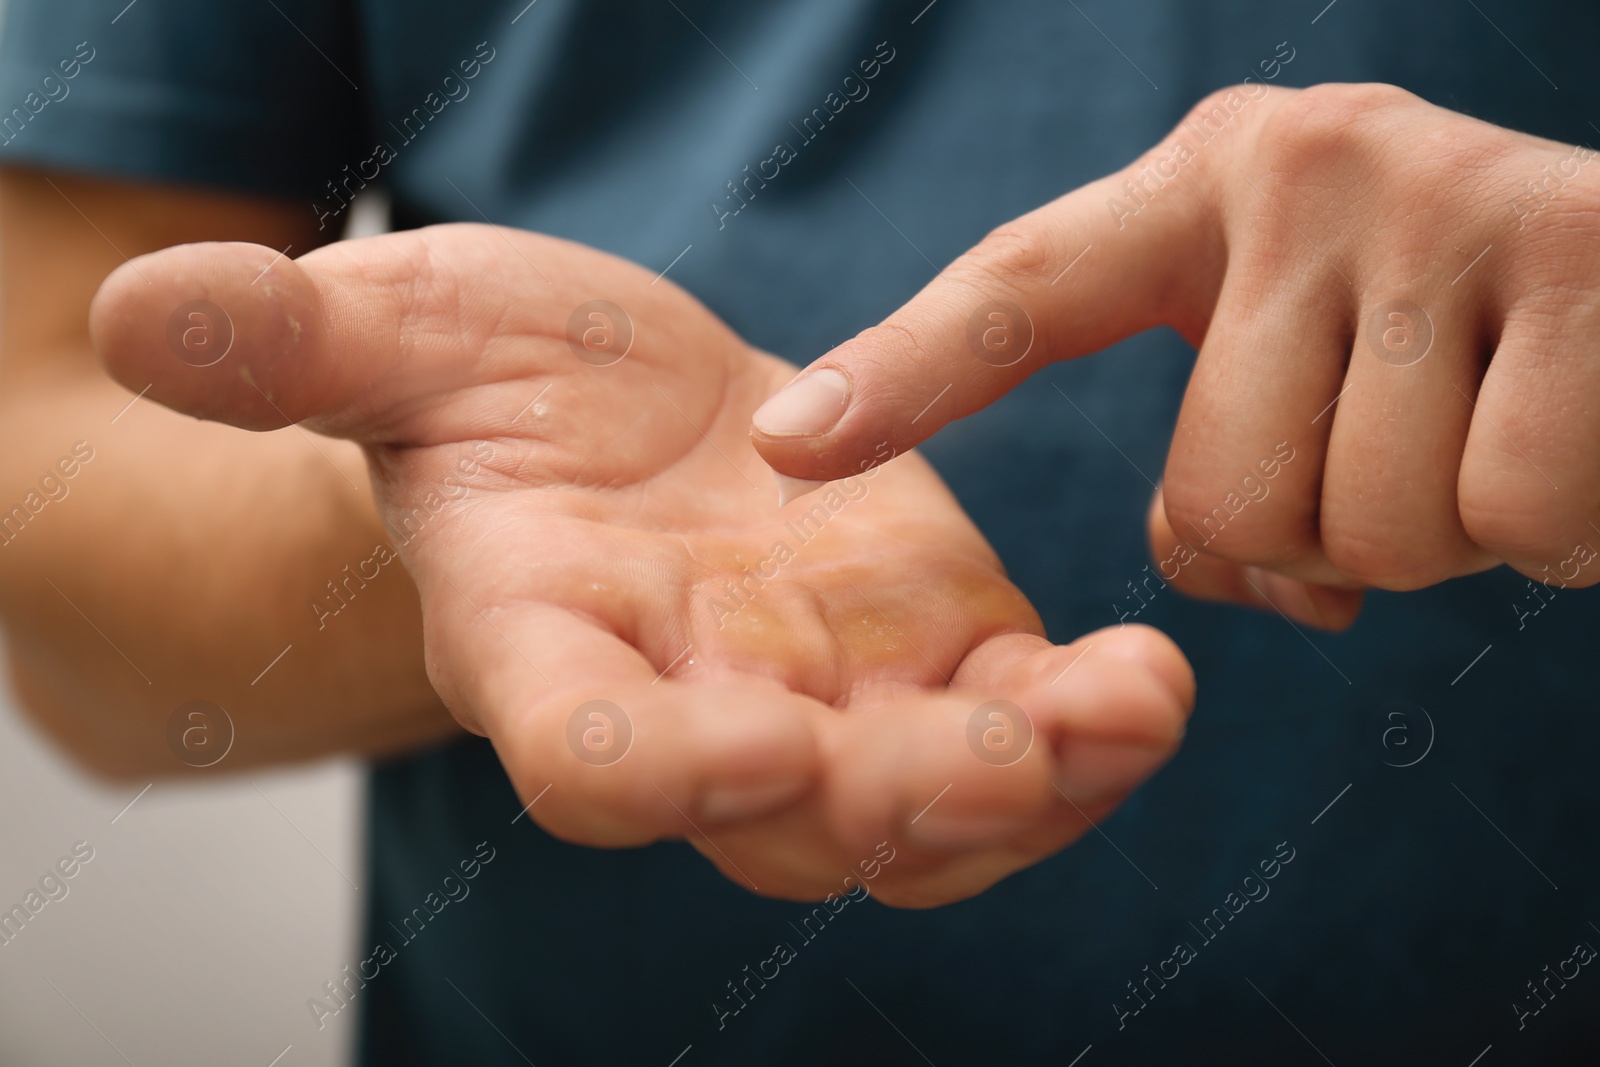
{"type": "Point", "coordinates": [1140, 248]}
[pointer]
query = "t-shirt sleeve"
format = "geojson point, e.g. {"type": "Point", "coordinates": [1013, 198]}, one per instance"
{"type": "Point", "coordinates": [258, 97]}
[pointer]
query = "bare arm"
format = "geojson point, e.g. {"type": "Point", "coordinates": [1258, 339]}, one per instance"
{"type": "Point", "coordinates": [179, 560]}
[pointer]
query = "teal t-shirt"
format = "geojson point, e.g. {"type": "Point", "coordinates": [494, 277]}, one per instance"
{"type": "Point", "coordinates": [1416, 815]}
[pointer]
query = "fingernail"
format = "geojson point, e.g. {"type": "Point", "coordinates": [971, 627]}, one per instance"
{"type": "Point", "coordinates": [811, 404]}
{"type": "Point", "coordinates": [1096, 771]}
{"type": "Point", "coordinates": [794, 488]}
{"type": "Point", "coordinates": [740, 803]}
{"type": "Point", "coordinates": [961, 831]}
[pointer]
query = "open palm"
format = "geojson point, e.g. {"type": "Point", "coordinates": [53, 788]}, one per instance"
{"type": "Point", "coordinates": [611, 594]}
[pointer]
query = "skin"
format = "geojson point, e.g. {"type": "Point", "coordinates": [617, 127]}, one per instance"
{"type": "Point", "coordinates": [1273, 250]}
{"type": "Point", "coordinates": [186, 553]}
{"type": "Point", "coordinates": [568, 531]}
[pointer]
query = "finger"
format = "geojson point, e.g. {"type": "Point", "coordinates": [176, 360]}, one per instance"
{"type": "Point", "coordinates": [1137, 249]}
{"type": "Point", "coordinates": [967, 769]}
{"type": "Point", "coordinates": [604, 752]}
{"type": "Point", "coordinates": [1243, 477]}
{"type": "Point", "coordinates": [348, 336]}
{"type": "Point", "coordinates": [1530, 476]}
{"type": "Point", "coordinates": [238, 333]}
{"type": "Point", "coordinates": [1390, 517]}
{"type": "Point", "coordinates": [1119, 720]}
{"type": "Point", "coordinates": [1012, 662]}
{"type": "Point", "coordinates": [1181, 565]}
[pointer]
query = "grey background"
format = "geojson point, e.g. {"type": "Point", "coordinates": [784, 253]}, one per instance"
{"type": "Point", "coordinates": [207, 917]}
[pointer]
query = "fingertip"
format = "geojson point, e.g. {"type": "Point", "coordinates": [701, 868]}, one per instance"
{"type": "Point", "coordinates": [1120, 688]}
{"type": "Point", "coordinates": [809, 406]}
{"type": "Point", "coordinates": [809, 431]}
{"type": "Point", "coordinates": [1155, 652]}
{"type": "Point", "coordinates": [791, 429]}
{"type": "Point", "coordinates": [207, 328]}
{"type": "Point", "coordinates": [1120, 718]}
{"type": "Point", "coordinates": [1029, 668]}
{"type": "Point", "coordinates": [803, 464]}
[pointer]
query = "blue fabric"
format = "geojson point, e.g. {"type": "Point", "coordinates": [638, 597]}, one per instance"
{"type": "Point", "coordinates": [1406, 922]}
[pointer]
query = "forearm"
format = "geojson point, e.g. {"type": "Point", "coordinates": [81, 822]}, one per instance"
{"type": "Point", "coordinates": [188, 560]}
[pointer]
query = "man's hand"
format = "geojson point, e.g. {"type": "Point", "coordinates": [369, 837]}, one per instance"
{"type": "Point", "coordinates": [558, 445]}
{"type": "Point", "coordinates": [1396, 314]}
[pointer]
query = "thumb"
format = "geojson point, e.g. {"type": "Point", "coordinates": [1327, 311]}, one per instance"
{"type": "Point", "coordinates": [1140, 248]}
{"type": "Point", "coordinates": [339, 340]}
{"type": "Point", "coordinates": [234, 332]}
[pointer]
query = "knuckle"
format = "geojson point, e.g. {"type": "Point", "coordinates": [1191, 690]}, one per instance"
{"type": "Point", "coordinates": [1338, 106]}
{"type": "Point", "coordinates": [888, 347]}
{"type": "Point", "coordinates": [1383, 562]}
{"type": "Point", "coordinates": [1217, 107]}
{"type": "Point", "coordinates": [1327, 122]}
{"type": "Point", "coordinates": [1017, 257]}
{"type": "Point", "coordinates": [1212, 106]}
{"type": "Point", "coordinates": [898, 356]}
